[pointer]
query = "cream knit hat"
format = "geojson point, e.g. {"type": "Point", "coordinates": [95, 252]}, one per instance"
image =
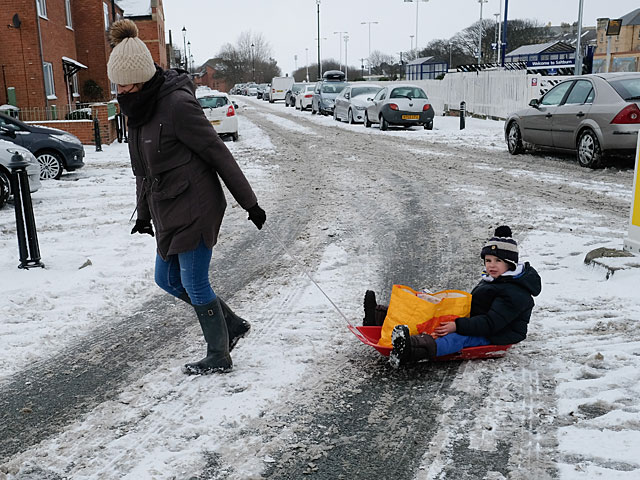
{"type": "Point", "coordinates": [130, 61]}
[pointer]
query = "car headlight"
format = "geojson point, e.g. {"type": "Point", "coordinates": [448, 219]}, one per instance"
{"type": "Point", "coordinates": [360, 107]}
{"type": "Point", "coordinates": [67, 137]}
{"type": "Point", "coordinates": [26, 154]}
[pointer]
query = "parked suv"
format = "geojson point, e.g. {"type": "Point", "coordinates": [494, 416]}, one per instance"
{"type": "Point", "coordinates": [326, 92]}
{"type": "Point", "coordinates": [7, 151]}
{"type": "Point", "coordinates": [55, 150]}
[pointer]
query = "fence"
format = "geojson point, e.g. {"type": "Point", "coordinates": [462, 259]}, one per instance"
{"type": "Point", "coordinates": [492, 94]}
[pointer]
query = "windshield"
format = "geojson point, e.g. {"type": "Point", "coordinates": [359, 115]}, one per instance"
{"type": "Point", "coordinates": [297, 87]}
{"type": "Point", "coordinates": [407, 92]}
{"type": "Point", "coordinates": [213, 102]}
{"type": "Point", "coordinates": [371, 91]}
{"type": "Point", "coordinates": [333, 87]}
{"type": "Point", "coordinates": [628, 88]}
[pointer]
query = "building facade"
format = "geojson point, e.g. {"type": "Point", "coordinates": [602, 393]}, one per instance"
{"type": "Point", "coordinates": [425, 68]}
{"type": "Point", "coordinates": [623, 49]}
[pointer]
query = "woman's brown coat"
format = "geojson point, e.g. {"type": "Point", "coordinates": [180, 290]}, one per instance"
{"type": "Point", "coordinates": [178, 160]}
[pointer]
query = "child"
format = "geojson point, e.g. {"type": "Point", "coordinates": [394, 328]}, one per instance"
{"type": "Point", "coordinates": [501, 306]}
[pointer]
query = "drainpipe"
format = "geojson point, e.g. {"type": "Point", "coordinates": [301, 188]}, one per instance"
{"type": "Point", "coordinates": [44, 88]}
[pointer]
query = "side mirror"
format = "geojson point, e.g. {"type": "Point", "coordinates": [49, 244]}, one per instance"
{"type": "Point", "coordinates": [369, 99]}
{"type": "Point", "coordinates": [235, 105]}
{"type": "Point", "coordinates": [535, 103]}
{"type": "Point", "coordinates": [9, 132]}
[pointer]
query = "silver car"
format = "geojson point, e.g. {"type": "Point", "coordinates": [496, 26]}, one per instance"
{"type": "Point", "coordinates": [353, 101]}
{"type": "Point", "coordinates": [7, 150]}
{"type": "Point", "coordinates": [405, 105]}
{"type": "Point", "coordinates": [592, 115]}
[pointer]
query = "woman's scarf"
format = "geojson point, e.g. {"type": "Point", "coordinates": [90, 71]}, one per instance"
{"type": "Point", "coordinates": [139, 106]}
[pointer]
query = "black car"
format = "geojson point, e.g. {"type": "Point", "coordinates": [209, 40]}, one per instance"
{"type": "Point", "coordinates": [56, 150]}
{"type": "Point", "coordinates": [290, 97]}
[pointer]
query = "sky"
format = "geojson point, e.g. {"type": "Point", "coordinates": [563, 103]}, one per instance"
{"type": "Point", "coordinates": [290, 26]}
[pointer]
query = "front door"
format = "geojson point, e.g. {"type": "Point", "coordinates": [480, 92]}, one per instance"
{"type": "Point", "coordinates": [536, 123]}
{"type": "Point", "coordinates": [569, 116]}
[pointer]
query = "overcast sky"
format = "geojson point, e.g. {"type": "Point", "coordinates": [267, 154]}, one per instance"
{"type": "Point", "coordinates": [290, 26]}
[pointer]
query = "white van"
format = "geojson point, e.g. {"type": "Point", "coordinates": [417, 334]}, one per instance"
{"type": "Point", "coordinates": [279, 88]}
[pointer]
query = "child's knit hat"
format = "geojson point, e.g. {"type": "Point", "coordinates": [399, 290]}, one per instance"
{"type": "Point", "coordinates": [130, 61]}
{"type": "Point", "coordinates": [502, 246]}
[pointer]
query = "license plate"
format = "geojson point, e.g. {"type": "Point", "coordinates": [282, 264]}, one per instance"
{"type": "Point", "coordinates": [411, 117]}
{"type": "Point", "coordinates": [215, 122]}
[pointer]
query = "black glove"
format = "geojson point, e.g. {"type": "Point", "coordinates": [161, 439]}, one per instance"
{"type": "Point", "coordinates": [257, 216]}
{"type": "Point", "coordinates": [142, 226]}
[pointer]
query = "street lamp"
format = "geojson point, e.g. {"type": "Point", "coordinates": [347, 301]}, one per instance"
{"type": "Point", "coordinates": [578, 66]}
{"type": "Point", "coordinates": [417, 18]}
{"type": "Point", "coordinates": [450, 44]}
{"type": "Point", "coordinates": [346, 65]}
{"type": "Point", "coordinates": [340, 43]}
{"type": "Point", "coordinates": [411, 37]}
{"type": "Point", "coordinates": [184, 43]}
{"type": "Point", "coordinates": [319, 62]}
{"type": "Point", "coordinates": [369, 23]}
{"type": "Point", "coordinates": [190, 64]}
{"type": "Point", "coordinates": [306, 50]}
{"type": "Point", "coordinates": [253, 61]}
{"type": "Point", "coordinates": [481, 2]}
{"type": "Point", "coordinates": [319, 68]}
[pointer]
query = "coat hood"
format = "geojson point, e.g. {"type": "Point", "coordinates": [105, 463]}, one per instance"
{"type": "Point", "coordinates": [528, 280]}
{"type": "Point", "coordinates": [175, 80]}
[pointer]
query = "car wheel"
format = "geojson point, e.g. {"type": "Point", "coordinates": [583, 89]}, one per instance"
{"type": "Point", "coordinates": [5, 189]}
{"type": "Point", "coordinates": [367, 123]}
{"type": "Point", "coordinates": [50, 165]}
{"type": "Point", "coordinates": [428, 126]}
{"type": "Point", "coordinates": [350, 117]}
{"type": "Point", "coordinates": [335, 115]}
{"type": "Point", "coordinates": [313, 110]}
{"type": "Point", "coordinates": [589, 153]}
{"type": "Point", "coordinates": [384, 125]}
{"type": "Point", "coordinates": [235, 136]}
{"type": "Point", "coordinates": [514, 139]}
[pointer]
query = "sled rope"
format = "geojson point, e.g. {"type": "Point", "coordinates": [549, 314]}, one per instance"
{"type": "Point", "coordinates": [306, 272]}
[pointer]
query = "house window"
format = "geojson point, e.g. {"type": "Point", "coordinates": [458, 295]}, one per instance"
{"type": "Point", "coordinates": [114, 88]}
{"type": "Point", "coordinates": [74, 86]}
{"type": "Point", "coordinates": [49, 86]}
{"type": "Point", "coordinates": [105, 9]}
{"type": "Point", "coordinates": [67, 11]}
{"type": "Point", "coordinates": [42, 8]}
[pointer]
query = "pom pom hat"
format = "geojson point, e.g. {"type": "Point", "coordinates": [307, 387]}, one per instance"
{"type": "Point", "coordinates": [502, 246]}
{"type": "Point", "coordinates": [130, 61]}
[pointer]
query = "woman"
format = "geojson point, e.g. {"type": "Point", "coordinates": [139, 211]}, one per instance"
{"type": "Point", "coordinates": [178, 160]}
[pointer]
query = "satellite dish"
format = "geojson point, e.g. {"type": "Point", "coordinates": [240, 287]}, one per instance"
{"type": "Point", "coordinates": [16, 21]}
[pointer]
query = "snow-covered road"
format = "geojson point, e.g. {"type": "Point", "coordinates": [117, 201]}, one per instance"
{"type": "Point", "coordinates": [90, 380]}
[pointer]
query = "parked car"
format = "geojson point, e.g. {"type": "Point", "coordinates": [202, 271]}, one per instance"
{"type": "Point", "coordinates": [7, 151]}
{"type": "Point", "coordinates": [326, 92]}
{"type": "Point", "coordinates": [404, 105]}
{"type": "Point", "coordinates": [220, 111]}
{"type": "Point", "coordinates": [252, 89]}
{"type": "Point", "coordinates": [353, 100]}
{"type": "Point", "coordinates": [593, 115]}
{"type": "Point", "coordinates": [55, 150]}
{"type": "Point", "coordinates": [266, 95]}
{"type": "Point", "coordinates": [279, 88]}
{"type": "Point", "coordinates": [261, 89]}
{"type": "Point", "coordinates": [290, 97]}
{"type": "Point", "coordinates": [305, 97]}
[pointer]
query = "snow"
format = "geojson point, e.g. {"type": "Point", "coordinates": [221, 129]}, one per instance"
{"type": "Point", "coordinates": [158, 426]}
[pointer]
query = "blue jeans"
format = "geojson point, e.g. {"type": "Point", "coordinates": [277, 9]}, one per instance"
{"type": "Point", "coordinates": [454, 342]}
{"type": "Point", "coordinates": [187, 272]}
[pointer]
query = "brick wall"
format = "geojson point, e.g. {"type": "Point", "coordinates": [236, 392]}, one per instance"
{"type": "Point", "coordinates": [151, 31]}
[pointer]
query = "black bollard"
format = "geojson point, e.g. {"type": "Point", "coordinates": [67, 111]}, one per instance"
{"type": "Point", "coordinates": [28, 247]}
{"type": "Point", "coordinates": [463, 113]}
{"type": "Point", "coordinates": [119, 127]}
{"type": "Point", "coordinates": [96, 134]}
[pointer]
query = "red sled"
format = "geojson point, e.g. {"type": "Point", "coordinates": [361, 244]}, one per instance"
{"type": "Point", "coordinates": [371, 336]}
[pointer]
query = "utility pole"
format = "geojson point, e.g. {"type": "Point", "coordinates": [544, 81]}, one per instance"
{"type": "Point", "coordinates": [503, 45]}
{"type": "Point", "coordinates": [340, 42]}
{"type": "Point", "coordinates": [417, 17]}
{"type": "Point", "coordinates": [319, 68]}
{"type": "Point", "coordinates": [346, 65]}
{"type": "Point", "coordinates": [411, 37]}
{"type": "Point", "coordinates": [307, 55]}
{"type": "Point", "coordinates": [184, 43]}
{"type": "Point", "coordinates": [369, 23]}
{"type": "Point", "coordinates": [481, 2]}
{"type": "Point", "coordinates": [578, 67]}
{"type": "Point", "coordinates": [362, 67]}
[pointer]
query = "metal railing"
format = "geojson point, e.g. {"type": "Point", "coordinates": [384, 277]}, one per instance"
{"type": "Point", "coordinates": [55, 112]}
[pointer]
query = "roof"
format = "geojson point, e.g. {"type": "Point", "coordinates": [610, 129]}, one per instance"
{"type": "Point", "coordinates": [424, 60]}
{"type": "Point", "coordinates": [632, 18]}
{"type": "Point", "coordinates": [135, 8]}
{"type": "Point", "coordinates": [549, 47]}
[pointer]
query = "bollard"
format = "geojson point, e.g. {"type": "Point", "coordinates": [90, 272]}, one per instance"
{"type": "Point", "coordinates": [96, 134]}
{"type": "Point", "coordinates": [119, 126]}
{"type": "Point", "coordinates": [463, 113]}
{"type": "Point", "coordinates": [25, 222]}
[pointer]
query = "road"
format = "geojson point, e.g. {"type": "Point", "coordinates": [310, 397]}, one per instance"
{"type": "Point", "coordinates": [407, 210]}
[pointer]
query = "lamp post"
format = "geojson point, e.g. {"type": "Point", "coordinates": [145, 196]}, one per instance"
{"type": "Point", "coordinates": [411, 38]}
{"type": "Point", "coordinates": [450, 62]}
{"type": "Point", "coordinates": [503, 41]}
{"type": "Point", "coordinates": [253, 62]}
{"type": "Point", "coordinates": [497, 33]}
{"type": "Point", "coordinates": [190, 64]}
{"type": "Point", "coordinates": [319, 62]}
{"type": "Point", "coordinates": [184, 43]}
{"type": "Point", "coordinates": [578, 67]}
{"type": "Point", "coordinates": [306, 50]}
{"type": "Point", "coordinates": [340, 43]}
{"type": "Point", "coordinates": [369, 23]}
{"type": "Point", "coordinates": [346, 65]}
{"type": "Point", "coordinates": [481, 2]}
{"type": "Point", "coordinates": [417, 18]}
{"type": "Point", "coordinates": [319, 68]}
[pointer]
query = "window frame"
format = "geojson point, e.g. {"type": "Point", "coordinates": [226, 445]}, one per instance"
{"type": "Point", "coordinates": [67, 14]}
{"type": "Point", "coordinates": [107, 19]}
{"type": "Point", "coordinates": [49, 81]}
{"type": "Point", "coordinates": [42, 8]}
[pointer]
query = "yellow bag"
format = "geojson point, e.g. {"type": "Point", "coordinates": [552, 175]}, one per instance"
{"type": "Point", "coordinates": [407, 308]}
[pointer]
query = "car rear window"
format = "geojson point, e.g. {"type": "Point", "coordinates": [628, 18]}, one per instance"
{"type": "Point", "coordinates": [213, 102]}
{"type": "Point", "coordinates": [410, 92]}
{"type": "Point", "coordinates": [627, 88]}
{"type": "Point", "coordinates": [364, 91]}
{"type": "Point", "coordinates": [332, 87]}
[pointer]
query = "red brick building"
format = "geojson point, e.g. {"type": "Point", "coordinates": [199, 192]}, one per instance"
{"type": "Point", "coordinates": [207, 77]}
{"type": "Point", "coordinates": [148, 15]}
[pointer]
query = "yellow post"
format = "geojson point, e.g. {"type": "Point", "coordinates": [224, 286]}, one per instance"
{"type": "Point", "coordinates": [632, 242]}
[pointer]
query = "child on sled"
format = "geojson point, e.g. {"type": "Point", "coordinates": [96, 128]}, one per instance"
{"type": "Point", "coordinates": [501, 306]}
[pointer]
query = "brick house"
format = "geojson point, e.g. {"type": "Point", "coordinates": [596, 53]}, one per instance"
{"type": "Point", "coordinates": [207, 77]}
{"type": "Point", "coordinates": [624, 48]}
{"type": "Point", "coordinates": [148, 16]}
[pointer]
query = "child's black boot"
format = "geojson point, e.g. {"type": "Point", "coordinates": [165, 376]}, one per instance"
{"type": "Point", "coordinates": [369, 309]}
{"type": "Point", "coordinates": [401, 341]}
